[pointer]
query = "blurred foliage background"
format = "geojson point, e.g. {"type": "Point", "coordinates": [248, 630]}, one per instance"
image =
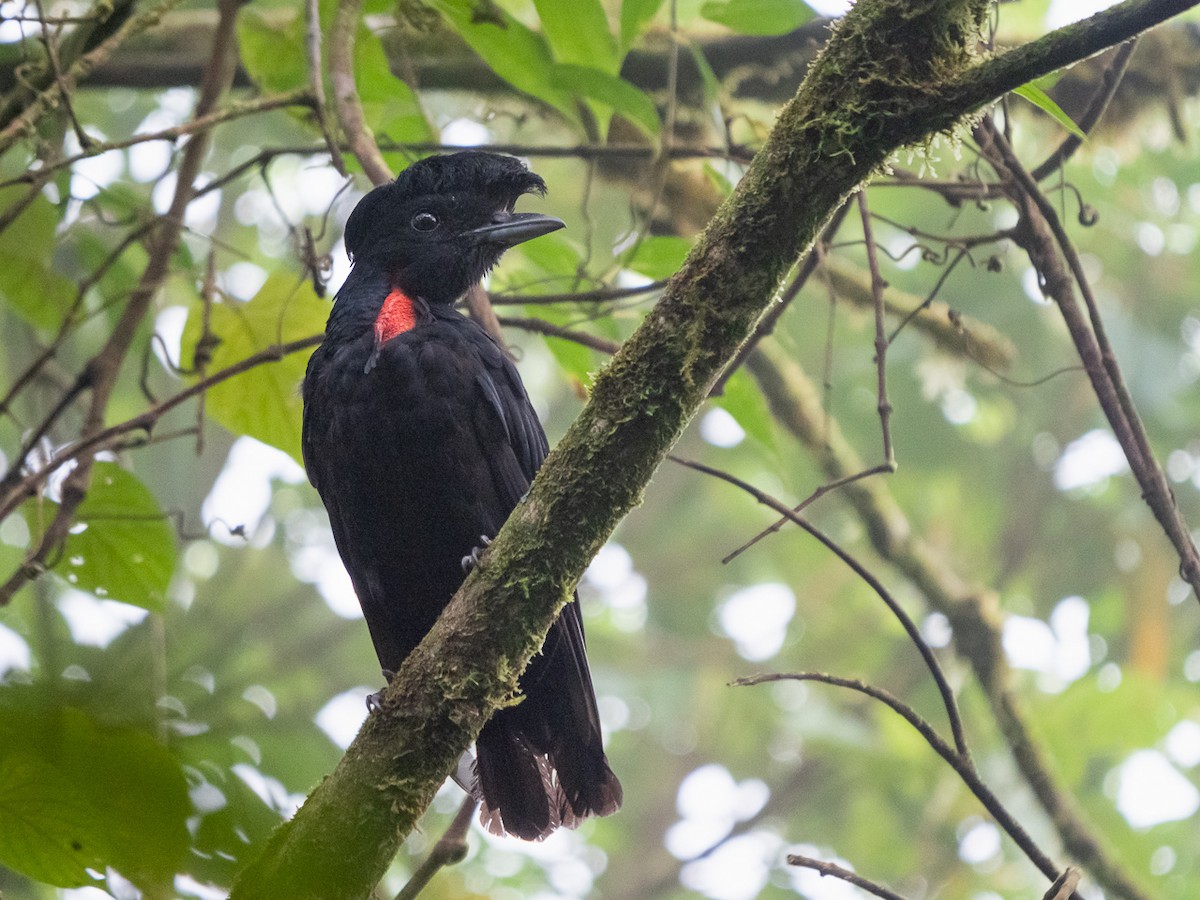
{"type": "Point", "coordinates": [193, 661]}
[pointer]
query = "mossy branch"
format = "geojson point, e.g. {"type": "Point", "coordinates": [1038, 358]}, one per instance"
{"type": "Point", "coordinates": [893, 72]}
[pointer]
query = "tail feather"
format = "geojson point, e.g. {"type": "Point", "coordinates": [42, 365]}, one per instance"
{"type": "Point", "coordinates": [541, 763]}
{"type": "Point", "coordinates": [515, 785]}
{"type": "Point", "coordinates": [586, 785]}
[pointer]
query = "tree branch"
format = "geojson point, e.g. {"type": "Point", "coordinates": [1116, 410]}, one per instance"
{"type": "Point", "coordinates": [345, 92]}
{"type": "Point", "coordinates": [1042, 236]}
{"type": "Point", "coordinates": [836, 871]}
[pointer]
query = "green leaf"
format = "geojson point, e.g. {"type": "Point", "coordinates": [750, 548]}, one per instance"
{"type": "Point", "coordinates": [1046, 104]}
{"type": "Point", "coordinates": [613, 92]}
{"type": "Point", "coordinates": [746, 403]}
{"type": "Point", "coordinates": [712, 84]}
{"type": "Point", "coordinates": [517, 54]}
{"type": "Point", "coordinates": [578, 33]}
{"type": "Point", "coordinates": [274, 55]}
{"type": "Point", "coordinates": [659, 257]}
{"type": "Point", "coordinates": [576, 360]}
{"type": "Point", "coordinates": [263, 402]}
{"type": "Point", "coordinates": [76, 795]}
{"type": "Point", "coordinates": [1084, 724]}
{"type": "Point", "coordinates": [635, 16]}
{"type": "Point", "coordinates": [547, 264]}
{"type": "Point", "coordinates": [50, 833]}
{"type": "Point", "coordinates": [272, 51]}
{"type": "Point", "coordinates": [122, 546]}
{"type": "Point", "coordinates": [758, 16]}
{"type": "Point", "coordinates": [28, 282]}
{"type": "Point", "coordinates": [139, 789]}
{"type": "Point", "coordinates": [390, 106]}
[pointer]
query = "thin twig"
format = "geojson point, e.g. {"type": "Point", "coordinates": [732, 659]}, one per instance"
{"type": "Point", "coordinates": [79, 70]}
{"type": "Point", "coordinates": [99, 375]}
{"type": "Point", "coordinates": [881, 340]}
{"type": "Point", "coordinates": [1064, 885]}
{"type": "Point", "coordinates": [963, 768]}
{"type": "Point", "coordinates": [914, 633]}
{"type": "Point", "coordinates": [145, 420]}
{"type": "Point", "coordinates": [1111, 80]}
{"type": "Point", "coordinates": [820, 492]}
{"type": "Point", "coordinates": [50, 41]}
{"type": "Point", "coordinates": [1042, 235]}
{"type": "Point", "coordinates": [973, 613]}
{"type": "Point", "coordinates": [450, 850]}
{"type": "Point", "coordinates": [541, 326]}
{"type": "Point", "coordinates": [600, 295]}
{"type": "Point", "coordinates": [836, 871]}
{"type": "Point", "coordinates": [766, 325]}
{"type": "Point", "coordinates": [300, 97]}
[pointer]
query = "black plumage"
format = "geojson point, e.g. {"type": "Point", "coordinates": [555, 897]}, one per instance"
{"type": "Point", "coordinates": [420, 438]}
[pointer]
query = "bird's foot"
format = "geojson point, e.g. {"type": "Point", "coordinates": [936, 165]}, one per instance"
{"type": "Point", "coordinates": [375, 700]}
{"type": "Point", "coordinates": [471, 560]}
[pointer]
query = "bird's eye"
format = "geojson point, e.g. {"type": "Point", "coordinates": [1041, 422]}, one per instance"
{"type": "Point", "coordinates": [424, 221]}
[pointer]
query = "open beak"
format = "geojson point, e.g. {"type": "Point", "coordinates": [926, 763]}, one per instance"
{"type": "Point", "coordinates": [516, 228]}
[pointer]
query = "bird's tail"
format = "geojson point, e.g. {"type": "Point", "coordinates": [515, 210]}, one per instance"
{"type": "Point", "coordinates": [528, 792]}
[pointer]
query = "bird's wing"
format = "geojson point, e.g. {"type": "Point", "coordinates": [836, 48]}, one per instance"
{"type": "Point", "coordinates": [564, 655]}
{"type": "Point", "coordinates": [308, 438]}
{"type": "Point", "coordinates": [500, 387]}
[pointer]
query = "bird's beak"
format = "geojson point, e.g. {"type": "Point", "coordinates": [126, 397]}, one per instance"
{"type": "Point", "coordinates": [516, 228]}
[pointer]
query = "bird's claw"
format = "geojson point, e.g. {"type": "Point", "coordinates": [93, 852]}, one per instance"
{"type": "Point", "coordinates": [471, 560]}
{"type": "Point", "coordinates": [375, 700]}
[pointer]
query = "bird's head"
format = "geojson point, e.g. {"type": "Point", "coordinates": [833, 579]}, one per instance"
{"type": "Point", "coordinates": [445, 221]}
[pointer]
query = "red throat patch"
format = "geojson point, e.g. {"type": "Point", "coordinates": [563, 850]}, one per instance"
{"type": "Point", "coordinates": [396, 316]}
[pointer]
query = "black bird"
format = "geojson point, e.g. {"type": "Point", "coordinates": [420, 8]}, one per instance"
{"type": "Point", "coordinates": [420, 438]}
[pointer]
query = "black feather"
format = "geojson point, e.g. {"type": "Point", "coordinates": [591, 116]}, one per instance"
{"type": "Point", "coordinates": [431, 447]}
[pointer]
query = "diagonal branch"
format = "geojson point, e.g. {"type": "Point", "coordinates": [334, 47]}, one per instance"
{"type": "Point", "coordinates": [349, 109]}
{"type": "Point", "coordinates": [1041, 234]}
{"type": "Point", "coordinates": [960, 749]}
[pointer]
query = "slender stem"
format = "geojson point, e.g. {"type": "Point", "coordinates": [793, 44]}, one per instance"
{"type": "Point", "coordinates": [300, 97]}
{"type": "Point", "coordinates": [145, 420]}
{"type": "Point", "coordinates": [935, 669]}
{"type": "Point", "coordinates": [963, 768]}
{"type": "Point", "coordinates": [79, 70]}
{"type": "Point", "coordinates": [450, 849]}
{"type": "Point", "coordinates": [316, 82]}
{"type": "Point", "coordinates": [881, 340]}
{"type": "Point", "coordinates": [345, 92]}
{"type": "Point", "coordinates": [766, 325]}
{"type": "Point", "coordinates": [99, 375]}
{"type": "Point", "coordinates": [541, 326]}
{"type": "Point", "coordinates": [836, 871]}
{"type": "Point", "coordinates": [1042, 235]}
{"type": "Point", "coordinates": [1111, 80]}
{"type": "Point", "coordinates": [973, 612]}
